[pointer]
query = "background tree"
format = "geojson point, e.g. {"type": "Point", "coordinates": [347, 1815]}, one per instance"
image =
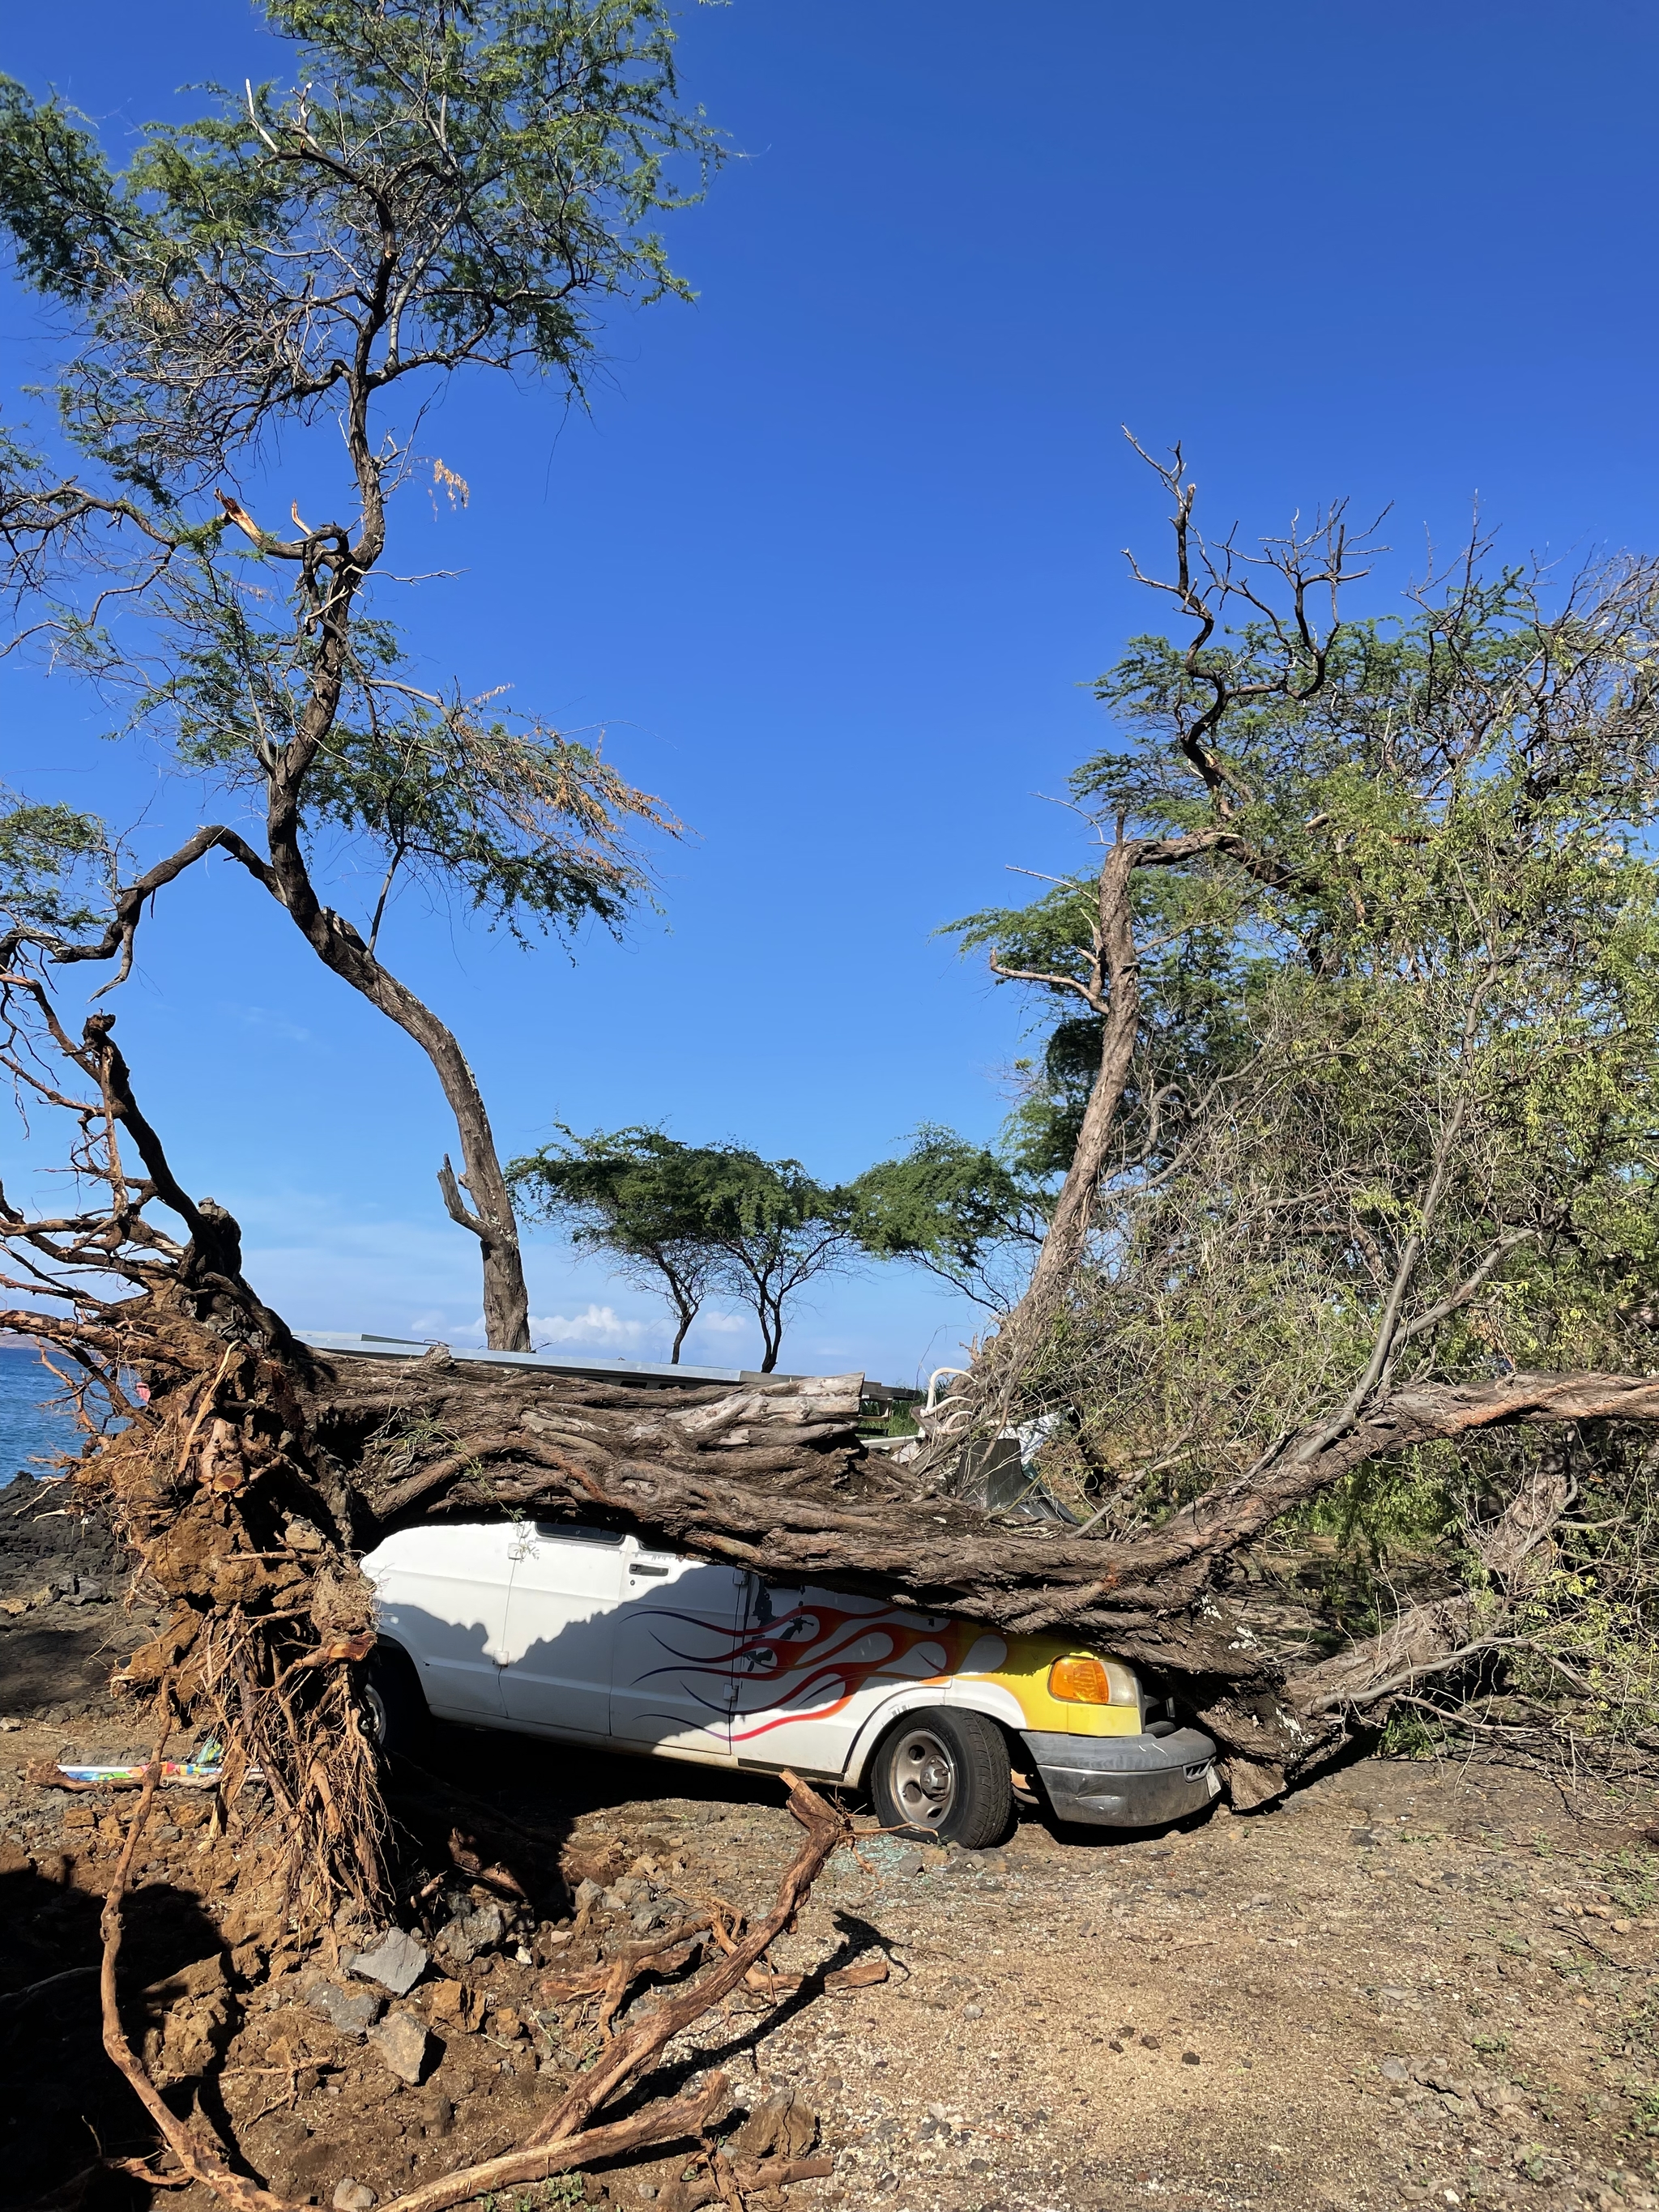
{"type": "Point", "coordinates": [690, 1219]}
{"type": "Point", "coordinates": [441, 192]}
{"type": "Point", "coordinates": [635, 1196]}
{"type": "Point", "coordinates": [956, 1209]}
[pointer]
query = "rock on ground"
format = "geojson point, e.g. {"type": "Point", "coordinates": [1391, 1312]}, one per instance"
{"type": "Point", "coordinates": [400, 2040]}
{"type": "Point", "coordinates": [397, 1962]}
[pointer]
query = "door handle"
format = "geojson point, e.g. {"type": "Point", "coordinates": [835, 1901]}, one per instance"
{"type": "Point", "coordinates": [647, 1570]}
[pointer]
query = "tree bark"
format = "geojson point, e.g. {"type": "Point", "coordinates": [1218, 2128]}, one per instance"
{"type": "Point", "coordinates": [1115, 996]}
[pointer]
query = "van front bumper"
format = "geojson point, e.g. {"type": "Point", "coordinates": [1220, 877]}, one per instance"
{"type": "Point", "coordinates": [1126, 1781]}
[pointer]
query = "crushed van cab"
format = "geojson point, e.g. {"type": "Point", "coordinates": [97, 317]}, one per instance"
{"type": "Point", "coordinates": [586, 1635]}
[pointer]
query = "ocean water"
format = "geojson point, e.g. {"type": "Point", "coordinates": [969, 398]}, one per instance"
{"type": "Point", "coordinates": [32, 1427]}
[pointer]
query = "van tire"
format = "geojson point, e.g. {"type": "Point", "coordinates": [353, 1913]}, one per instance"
{"type": "Point", "coordinates": [941, 1776]}
{"type": "Point", "coordinates": [396, 1719]}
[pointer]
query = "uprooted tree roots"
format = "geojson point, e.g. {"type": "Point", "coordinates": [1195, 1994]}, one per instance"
{"type": "Point", "coordinates": [250, 1471]}
{"type": "Point", "coordinates": [570, 2136]}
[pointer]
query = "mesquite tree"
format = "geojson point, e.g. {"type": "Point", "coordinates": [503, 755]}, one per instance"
{"type": "Point", "coordinates": [441, 192]}
{"type": "Point", "coordinates": [685, 1220]}
{"type": "Point", "coordinates": [1304, 798]}
{"type": "Point", "coordinates": [1351, 1075]}
{"type": "Point", "coordinates": [956, 1210]}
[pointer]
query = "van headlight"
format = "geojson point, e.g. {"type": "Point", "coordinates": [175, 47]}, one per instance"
{"type": "Point", "coordinates": [1080, 1679]}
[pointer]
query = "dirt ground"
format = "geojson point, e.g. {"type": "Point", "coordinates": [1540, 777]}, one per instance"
{"type": "Point", "coordinates": [1413, 1983]}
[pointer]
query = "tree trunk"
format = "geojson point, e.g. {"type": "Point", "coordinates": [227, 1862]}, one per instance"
{"type": "Point", "coordinates": [1120, 1008]}
{"type": "Point", "coordinates": [489, 1218]}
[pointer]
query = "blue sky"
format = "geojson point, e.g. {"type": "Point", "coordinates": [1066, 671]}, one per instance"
{"type": "Point", "coordinates": [836, 548]}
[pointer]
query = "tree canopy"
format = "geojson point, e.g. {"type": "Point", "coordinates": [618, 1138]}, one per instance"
{"type": "Point", "coordinates": [688, 1220]}
{"type": "Point", "coordinates": [955, 1209]}
{"type": "Point", "coordinates": [436, 192]}
{"type": "Point", "coordinates": [1388, 1114]}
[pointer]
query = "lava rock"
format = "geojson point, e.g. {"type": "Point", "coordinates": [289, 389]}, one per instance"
{"type": "Point", "coordinates": [468, 1933]}
{"type": "Point", "coordinates": [401, 2041]}
{"type": "Point", "coordinates": [353, 2012]}
{"type": "Point", "coordinates": [397, 1962]}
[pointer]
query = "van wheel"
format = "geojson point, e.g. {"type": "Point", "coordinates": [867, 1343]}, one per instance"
{"type": "Point", "coordinates": [396, 1717]}
{"type": "Point", "coordinates": [943, 1778]}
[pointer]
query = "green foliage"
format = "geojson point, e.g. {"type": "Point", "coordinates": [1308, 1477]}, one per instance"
{"type": "Point", "coordinates": [634, 1195]}
{"type": "Point", "coordinates": [1440, 944]}
{"type": "Point", "coordinates": [440, 186]}
{"type": "Point", "coordinates": [55, 863]}
{"type": "Point", "coordinates": [435, 191]}
{"type": "Point", "coordinates": [522, 823]}
{"type": "Point", "coordinates": [952, 1208]}
{"type": "Point", "coordinates": [691, 1219]}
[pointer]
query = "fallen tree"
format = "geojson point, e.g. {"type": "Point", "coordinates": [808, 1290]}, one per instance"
{"type": "Point", "coordinates": [253, 1470]}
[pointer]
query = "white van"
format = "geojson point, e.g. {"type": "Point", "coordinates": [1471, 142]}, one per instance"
{"type": "Point", "coordinates": [586, 1635]}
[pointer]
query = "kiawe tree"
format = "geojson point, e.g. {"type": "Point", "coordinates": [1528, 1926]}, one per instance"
{"type": "Point", "coordinates": [1350, 1063]}
{"type": "Point", "coordinates": [687, 1220]}
{"type": "Point", "coordinates": [441, 192]}
{"type": "Point", "coordinates": [632, 1197]}
{"type": "Point", "coordinates": [958, 1210]}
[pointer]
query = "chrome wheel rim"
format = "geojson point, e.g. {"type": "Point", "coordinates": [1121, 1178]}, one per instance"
{"type": "Point", "coordinates": [923, 1774]}
{"type": "Point", "coordinates": [375, 1715]}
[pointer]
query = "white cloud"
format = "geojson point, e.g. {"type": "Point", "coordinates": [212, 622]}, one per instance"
{"type": "Point", "coordinates": [719, 1324]}
{"type": "Point", "coordinates": [272, 1024]}
{"type": "Point", "coordinates": [597, 1325]}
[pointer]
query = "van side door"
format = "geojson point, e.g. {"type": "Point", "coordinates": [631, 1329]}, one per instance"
{"type": "Point", "coordinates": [816, 1664]}
{"type": "Point", "coordinates": [678, 1634]}
{"type": "Point", "coordinates": [561, 1628]}
{"type": "Point", "coordinates": [441, 1596]}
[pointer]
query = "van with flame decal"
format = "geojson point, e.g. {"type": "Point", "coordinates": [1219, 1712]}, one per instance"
{"type": "Point", "coordinates": [588, 1636]}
